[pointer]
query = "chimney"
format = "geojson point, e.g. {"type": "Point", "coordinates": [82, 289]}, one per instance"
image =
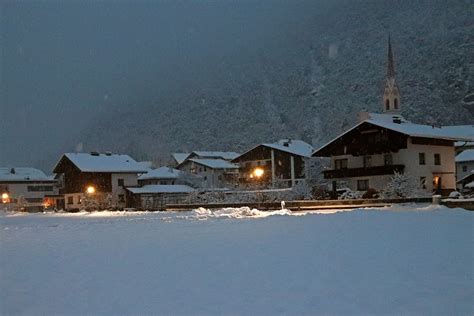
{"type": "Point", "coordinates": [363, 115]}
{"type": "Point", "coordinates": [397, 119]}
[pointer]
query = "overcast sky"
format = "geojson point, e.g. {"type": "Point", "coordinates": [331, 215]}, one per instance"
{"type": "Point", "coordinates": [64, 63]}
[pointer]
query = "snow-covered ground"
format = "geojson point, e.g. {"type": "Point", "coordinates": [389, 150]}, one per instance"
{"type": "Point", "coordinates": [413, 259]}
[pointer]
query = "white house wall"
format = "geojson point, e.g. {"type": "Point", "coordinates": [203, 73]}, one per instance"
{"type": "Point", "coordinates": [409, 158]}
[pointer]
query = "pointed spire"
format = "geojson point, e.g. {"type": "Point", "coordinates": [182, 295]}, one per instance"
{"type": "Point", "coordinates": [390, 64]}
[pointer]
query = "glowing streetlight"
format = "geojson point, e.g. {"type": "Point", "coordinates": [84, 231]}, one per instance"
{"type": "Point", "coordinates": [258, 172]}
{"type": "Point", "coordinates": [90, 190]}
{"type": "Point", "coordinates": [5, 198]}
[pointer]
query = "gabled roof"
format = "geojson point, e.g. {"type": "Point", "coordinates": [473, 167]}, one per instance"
{"type": "Point", "coordinates": [161, 173]}
{"type": "Point", "coordinates": [387, 121]}
{"type": "Point", "coordinates": [23, 174]}
{"type": "Point", "coordinates": [226, 155]}
{"type": "Point", "coordinates": [291, 146]}
{"type": "Point", "coordinates": [214, 163]}
{"type": "Point", "coordinates": [109, 163]}
{"type": "Point", "coordinates": [466, 155]}
{"type": "Point", "coordinates": [180, 157]}
{"type": "Point", "coordinates": [160, 188]}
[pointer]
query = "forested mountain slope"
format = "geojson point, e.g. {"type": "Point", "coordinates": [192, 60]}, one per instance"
{"type": "Point", "coordinates": [309, 83]}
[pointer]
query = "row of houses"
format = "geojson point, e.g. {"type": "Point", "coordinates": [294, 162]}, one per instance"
{"type": "Point", "coordinates": [364, 157]}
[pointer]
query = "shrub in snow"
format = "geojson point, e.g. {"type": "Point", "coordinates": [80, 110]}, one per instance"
{"type": "Point", "coordinates": [97, 202]}
{"type": "Point", "coordinates": [350, 195]}
{"type": "Point", "coordinates": [455, 195]}
{"type": "Point", "coordinates": [370, 194]}
{"type": "Point", "coordinates": [402, 185]}
{"type": "Point", "coordinates": [302, 191]}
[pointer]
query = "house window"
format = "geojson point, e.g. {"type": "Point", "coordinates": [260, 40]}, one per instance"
{"type": "Point", "coordinates": [70, 200]}
{"type": "Point", "coordinates": [367, 161]}
{"type": "Point", "coordinates": [388, 159]}
{"type": "Point", "coordinates": [120, 182]}
{"type": "Point", "coordinates": [387, 104]}
{"type": "Point", "coordinates": [205, 178]}
{"type": "Point", "coordinates": [121, 198]}
{"type": "Point", "coordinates": [421, 159]}
{"type": "Point", "coordinates": [464, 168]}
{"type": "Point", "coordinates": [437, 159]}
{"type": "Point", "coordinates": [205, 169]}
{"type": "Point", "coordinates": [423, 182]}
{"type": "Point", "coordinates": [79, 199]}
{"type": "Point", "coordinates": [40, 188]}
{"type": "Point", "coordinates": [362, 185]}
{"type": "Point", "coordinates": [395, 103]}
{"type": "Point", "coordinates": [340, 164]}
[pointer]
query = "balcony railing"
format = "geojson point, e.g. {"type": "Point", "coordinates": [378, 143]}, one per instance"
{"type": "Point", "coordinates": [363, 172]}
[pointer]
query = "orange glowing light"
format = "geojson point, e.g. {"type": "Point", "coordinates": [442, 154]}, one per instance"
{"type": "Point", "coordinates": [258, 172]}
{"type": "Point", "coordinates": [90, 189]}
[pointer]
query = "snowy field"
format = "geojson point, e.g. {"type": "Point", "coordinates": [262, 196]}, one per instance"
{"type": "Point", "coordinates": [414, 259]}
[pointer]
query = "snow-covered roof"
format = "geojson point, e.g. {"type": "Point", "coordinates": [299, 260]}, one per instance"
{"type": "Point", "coordinates": [226, 155]}
{"type": "Point", "coordinates": [293, 146]}
{"type": "Point", "coordinates": [466, 155]}
{"type": "Point", "coordinates": [462, 132]}
{"type": "Point", "coordinates": [399, 124]}
{"type": "Point", "coordinates": [180, 157]}
{"type": "Point", "coordinates": [23, 174]}
{"type": "Point", "coordinates": [160, 188]}
{"type": "Point", "coordinates": [161, 173]}
{"type": "Point", "coordinates": [215, 163]}
{"type": "Point", "coordinates": [146, 164]}
{"type": "Point", "coordinates": [470, 185]}
{"type": "Point", "coordinates": [113, 163]}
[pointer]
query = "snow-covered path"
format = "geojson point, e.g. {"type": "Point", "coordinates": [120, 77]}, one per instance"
{"type": "Point", "coordinates": [359, 262]}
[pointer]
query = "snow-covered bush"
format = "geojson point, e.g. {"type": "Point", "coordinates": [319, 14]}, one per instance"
{"type": "Point", "coordinates": [302, 191]}
{"type": "Point", "coordinates": [97, 202]}
{"type": "Point", "coordinates": [455, 195]}
{"type": "Point", "coordinates": [350, 195]}
{"type": "Point", "coordinates": [402, 185]}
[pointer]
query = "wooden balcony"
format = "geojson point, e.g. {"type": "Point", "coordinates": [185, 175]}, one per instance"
{"type": "Point", "coordinates": [363, 172]}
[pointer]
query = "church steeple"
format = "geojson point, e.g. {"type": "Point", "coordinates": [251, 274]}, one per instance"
{"type": "Point", "coordinates": [391, 96]}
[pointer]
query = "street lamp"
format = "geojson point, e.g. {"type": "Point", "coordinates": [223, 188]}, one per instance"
{"type": "Point", "coordinates": [258, 172]}
{"type": "Point", "coordinates": [5, 198]}
{"type": "Point", "coordinates": [90, 189]}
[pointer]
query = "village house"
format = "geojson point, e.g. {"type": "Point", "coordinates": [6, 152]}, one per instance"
{"type": "Point", "coordinates": [162, 175]}
{"type": "Point", "coordinates": [28, 188]}
{"type": "Point", "coordinates": [465, 168]}
{"type": "Point", "coordinates": [157, 196]}
{"type": "Point", "coordinates": [214, 173]}
{"type": "Point", "coordinates": [179, 158]}
{"type": "Point", "coordinates": [280, 164]}
{"type": "Point", "coordinates": [368, 154]}
{"type": "Point", "coordinates": [99, 176]}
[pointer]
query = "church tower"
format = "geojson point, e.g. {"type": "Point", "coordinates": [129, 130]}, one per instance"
{"type": "Point", "coordinates": [391, 95]}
